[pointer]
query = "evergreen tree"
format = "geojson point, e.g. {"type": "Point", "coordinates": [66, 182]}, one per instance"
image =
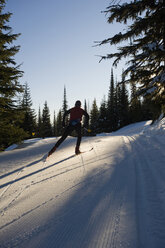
{"type": "Point", "coordinates": [118, 104]}
{"type": "Point", "coordinates": [85, 108]}
{"type": "Point", "coordinates": [94, 115]}
{"type": "Point", "coordinates": [46, 124]}
{"type": "Point", "coordinates": [124, 104]}
{"type": "Point", "coordinates": [29, 121]}
{"type": "Point", "coordinates": [85, 105]}
{"type": "Point", "coordinates": [84, 131]}
{"type": "Point", "coordinates": [54, 126]}
{"type": "Point", "coordinates": [135, 110]}
{"type": "Point", "coordinates": [39, 124]}
{"type": "Point", "coordinates": [111, 111]}
{"type": "Point", "coordinates": [10, 114]}
{"type": "Point", "coordinates": [59, 123]}
{"type": "Point", "coordinates": [102, 120]}
{"type": "Point", "coordinates": [65, 105]}
{"type": "Point", "coordinates": [116, 111]}
{"type": "Point", "coordinates": [145, 48]}
{"type": "Point", "coordinates": [148, 110]}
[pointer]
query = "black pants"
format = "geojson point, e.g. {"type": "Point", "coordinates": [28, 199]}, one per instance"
{"type": "Point", "coordinates": [69, 129]}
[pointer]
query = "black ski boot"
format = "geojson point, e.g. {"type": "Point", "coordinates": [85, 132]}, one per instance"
{"type": "Point", "coordinates": [51, 151]}
{"type": "Point", "coordinates": [77, 151]}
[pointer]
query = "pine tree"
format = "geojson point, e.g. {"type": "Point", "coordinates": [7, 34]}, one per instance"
{"type": "Point", "coordinates": [85, 105]}
{"type": "Point", "coordinates": [145, 47]}
{"type": "Point", "coordinates": [102, 119]}
{"type": "Point", "coordinates": [65, 106]}
{"type": "Point", "coordinates": [39, 124]}
{"type": "Point", "coordinates": [46, 124]}
{"type": "Point", "coordinates": [84, 131]}
{"type": "Point", "coordinates": [85, 108]}
{"type": "Point", "coordinates": [116, 107]}
{"type": "Point", "coordinates": [94, 115]}
{"type": "Point", "coordinates": [29, 121]}
{"type": "Point", "coordinates": [65, 103]}
{"type": "Point", "coordinates": [59, 123]}
{"type": "Point", "coordinates": [118, 104]}
{"type": "Point", "coordinates": [124, 104]}
{"type": "Point", "coordinates": [111, 111]}
{"type": "Point", "coordinates": [10, 114]}
{"type": "Point", "coordinates": [54, 125]}
{"type": "Point", "coordinates": [148, 110]}
{"type": "Point", "coordinates": [135, 110]}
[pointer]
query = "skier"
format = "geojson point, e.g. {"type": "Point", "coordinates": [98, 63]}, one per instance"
{"type": "Point", "coordinates": [76, 114]}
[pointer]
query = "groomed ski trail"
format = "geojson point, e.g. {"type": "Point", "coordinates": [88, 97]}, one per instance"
{"type": "Point", "coordinates": [112, 196]}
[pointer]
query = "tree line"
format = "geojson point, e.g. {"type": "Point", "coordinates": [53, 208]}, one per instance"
{"type": "Point", "coordinates": [117, 110]}
{"type": "Point", "coordinates": [145, 75]}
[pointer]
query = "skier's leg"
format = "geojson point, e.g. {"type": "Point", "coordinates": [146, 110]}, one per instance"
{"type": "Point", "coordinates": [63, 137]}
{"type": "Point", "coordinates": [78, 130]}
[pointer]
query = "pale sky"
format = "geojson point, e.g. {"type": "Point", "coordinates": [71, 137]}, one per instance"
{"type": "Point", "coordinates": [57, 39]}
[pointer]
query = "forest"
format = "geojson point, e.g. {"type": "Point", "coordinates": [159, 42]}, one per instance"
{"type": "Point", "coordinates": [138, 96]}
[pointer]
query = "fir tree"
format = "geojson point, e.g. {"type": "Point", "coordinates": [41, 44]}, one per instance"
{"type": "Point", "coordinates": [145, 48]}
{"type": "Point", "coordinates": [116, 109]}
{"type": "Point", "coordinates": [65, 105]}
{"type": "Point", "coordinates": [10, 114]}
{"type": "Point", "coordinates": [85, 105]}
{"type": "Point", "coordinates": [102, 120]}
{"type": "Point", "coordinates": [111, 111]}
{"type": "Point", "coordinates": [94, 115]}
{"type": "Point", "coordinates": [135, 110]}
{"type": "Point", "coordinates": [29, 121]}
{"type": "Point", "coordinates": [39, 124]}
{"type": "Point", "coordinates": [54, 125]}
{"type": "Point", "coordinates": [85, 108]}
{"type": "Point", "coordinates": [148, 110]}
{"type": "Point", "coordinates": [46, 124]}
{"type": "Point", "coordinates": [124, 104]}
{"type": "Point", "coordinates": [84, 131]}
{"type": "Point", "coordinates": [59, 123]}
{"type": "Point", "coordinates": [118, 104]}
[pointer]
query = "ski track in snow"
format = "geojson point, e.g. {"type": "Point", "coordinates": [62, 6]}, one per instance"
{"type": "Point", "coordinates": [112, 196]}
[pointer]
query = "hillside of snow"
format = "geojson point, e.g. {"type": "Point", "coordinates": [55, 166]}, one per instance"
{"type": "Point", "coordinates": [112, 196]}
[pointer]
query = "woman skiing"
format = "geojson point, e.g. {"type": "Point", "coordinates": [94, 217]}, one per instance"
{"type": "Point", "coordinates": [76, 114]}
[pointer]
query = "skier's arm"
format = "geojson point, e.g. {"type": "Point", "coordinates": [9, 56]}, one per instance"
{"type": "Point", "coordinates": [65, 114]}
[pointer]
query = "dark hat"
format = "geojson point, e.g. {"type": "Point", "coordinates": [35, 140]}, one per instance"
{"type": "Point", "coordinates": [77, 103]}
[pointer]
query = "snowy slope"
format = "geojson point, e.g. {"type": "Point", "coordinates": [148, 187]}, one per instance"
{"type": "Point", "coordinates": [112, 196]}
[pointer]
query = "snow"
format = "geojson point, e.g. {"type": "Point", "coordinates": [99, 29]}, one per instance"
{"type": "Point", "coordinates": [28, 141]}
{"type": "Point", "coordinates": [112, 196]}
{"type": "Point", "coordinates": [10, 148]}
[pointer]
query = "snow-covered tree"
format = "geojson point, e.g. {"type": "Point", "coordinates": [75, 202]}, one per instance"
{"type": "Point", "coordinates": [144, 45]}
